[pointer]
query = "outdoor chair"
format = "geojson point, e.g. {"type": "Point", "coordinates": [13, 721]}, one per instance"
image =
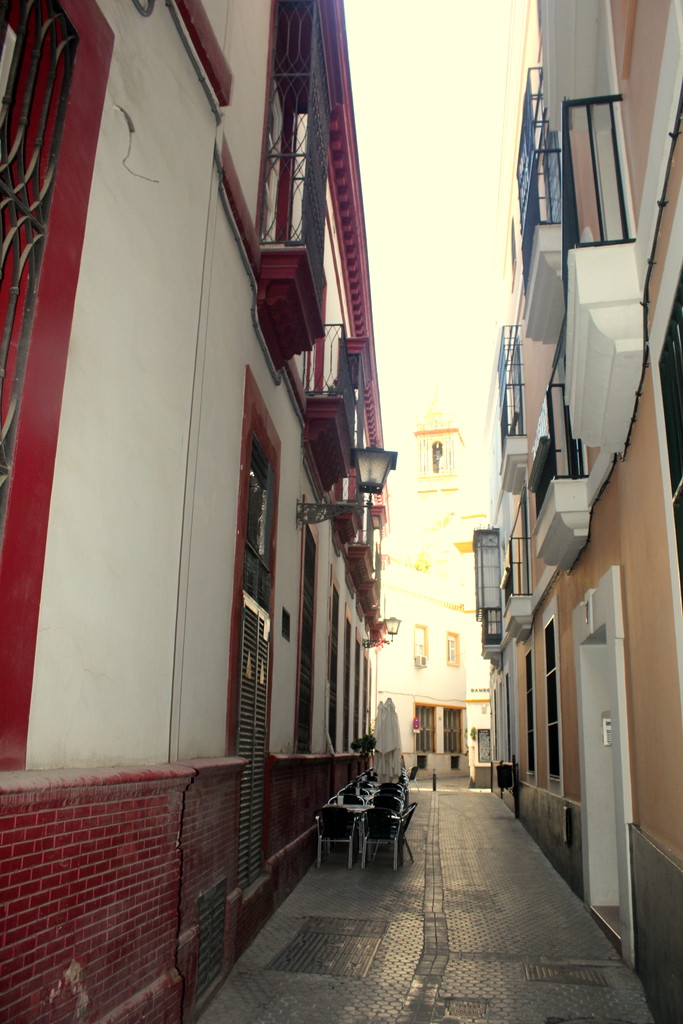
{"type": "Point", "coordinates": [335, 825]}
{"type": "Point", "coordinates": [391, 800]}
{"type": "Point", "coordinates": [391, 787]}
{"type": "Point", "coordinates": [382, 828]}
{"type": "Point", "coordinates": [352, 799]}
{"type": "Point", "coordinates": [413, 773]}
{"type": "Point", "coordinates": [405, 822]}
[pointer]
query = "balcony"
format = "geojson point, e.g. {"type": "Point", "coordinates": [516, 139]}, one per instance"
{"type": "Point", "coordinates": [291, 277]}
{"type": "Point", "coordinates": [540, 200]}
{"type": "Point", "coordinates": [558, 479]}
{"type": "Point", "coordinates": [604, 312]}
{"type": "Point", "coordinates": [486, 546]}
{"type": "Point", "coordinates": [514, 447]}
{"type": "Point", "coordinates": [516, 586]}
{"type": "Point", "coordinates": [360, 555]}
{"type": "Point", "coordinates": [330, 407]}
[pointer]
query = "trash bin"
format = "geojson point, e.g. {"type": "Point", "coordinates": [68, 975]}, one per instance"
{"type": "Point", "coordinates": [504, 774]}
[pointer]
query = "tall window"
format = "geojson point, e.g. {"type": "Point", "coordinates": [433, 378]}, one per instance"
{"type": "Point", "coordinates": [452, 720]}
{"type": "Point", "coordinates": [671, 375]}
{"type": "Point", "coordinates": [453, 648]}
{"type": "Point", "coordinates": [356, 687]}
{"type": "Point", "coordinates": [530, 715]}
{"type": "Point", "coordinates": [255, 655]}
{"type": "Point", "coordinates": [552, 701]}
{"type": "Point", "coordinates": [366, 695]}
{"type": "Point", "coordinates": [347, 685]}
{"type": "Point", "coordinates": [259, 524]}
{"type": "Point", "coordinates": [437, 456]}
{"type": "Point", "coordinates": [421, 642]}
{"type": "Point", "coordinates": [303, 741]}
{"type": "Point", "coordinates": [426, 737]}
{"type": "Point", "coordinates": [333, 668]}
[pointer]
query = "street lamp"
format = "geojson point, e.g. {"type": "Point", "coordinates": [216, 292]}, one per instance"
{"type": "Point", "coordinates": [372, 465]}
{"type": "Point", "coordinates": [392, 625]}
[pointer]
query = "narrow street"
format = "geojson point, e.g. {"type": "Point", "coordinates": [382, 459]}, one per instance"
{"type": "Point", "coordinates": [479, 928]}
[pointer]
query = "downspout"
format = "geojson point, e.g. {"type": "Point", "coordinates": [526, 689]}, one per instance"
{"type": "Point", "coordinates": [203, 81]}
{"type": "Point", "coordinates": [662, 202]}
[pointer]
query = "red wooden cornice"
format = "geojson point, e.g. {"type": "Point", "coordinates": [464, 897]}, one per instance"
{"type": "Point", "coordinates": [347, 199]}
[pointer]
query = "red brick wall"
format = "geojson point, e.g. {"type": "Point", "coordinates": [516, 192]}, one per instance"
{"type": "Point", "coordinates": [90, 872]}
{"type": "Point", "coordinates": [101, 872]}
{"type": "Point", "coordinates": [209, 840]}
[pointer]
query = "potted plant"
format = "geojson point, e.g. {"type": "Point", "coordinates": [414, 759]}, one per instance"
{"type": "Point", "coordinates": [364, 744]}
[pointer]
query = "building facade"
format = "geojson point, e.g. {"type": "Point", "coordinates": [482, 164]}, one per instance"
{"type": "Point", "coordinates": [187, 369]}
{"type": "Point", "coordinates": [578, 573]}
{"type": "Point", "coordinates": [433, 669]}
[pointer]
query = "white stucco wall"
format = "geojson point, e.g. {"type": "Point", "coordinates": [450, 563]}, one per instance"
{"type": "Point", "coordinates": [133, 652]}
{"type": "Point", "coordinates": [105, 645]}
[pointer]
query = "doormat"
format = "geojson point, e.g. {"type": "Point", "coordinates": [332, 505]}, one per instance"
{"type": "Point", "coordinates": [329, 945]}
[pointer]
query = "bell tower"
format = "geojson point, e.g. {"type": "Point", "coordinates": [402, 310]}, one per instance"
{"type": "Point", "coordinates": [439, 452]}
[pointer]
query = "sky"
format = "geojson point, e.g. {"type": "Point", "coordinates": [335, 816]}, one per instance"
{"type": "Point", "coordinates": [428, 82]}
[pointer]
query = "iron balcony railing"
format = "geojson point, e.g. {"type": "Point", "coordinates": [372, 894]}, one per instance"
{"type": "Point", "coordinates": [556, 454]}
{"type": "Point", "coordinates": [511, 384]}
{"type": "Point", "coordinates": [328, 372]}
{"type": "Point", "coordinates": [539, 174]}
{"type": "Point", "coordinates": [517, 568]}
{"type": "Point", "coordinates": [594, 199]}
{"type": "Point", "coordinates": [486, 544]}
{"type": "Point", "coordinates": [295, 172]}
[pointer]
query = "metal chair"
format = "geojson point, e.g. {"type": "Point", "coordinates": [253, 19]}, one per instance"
{"type": "Point", "coordinates": [405, 821]}
{"type": "Point", "coordinates": [335, 825]}
{"type": "Point", "coordinates": [352, 800]}
{"type": "Point", "coordinates": [383, 828]}
{"type": "Point", "coordinates": [391, 800]}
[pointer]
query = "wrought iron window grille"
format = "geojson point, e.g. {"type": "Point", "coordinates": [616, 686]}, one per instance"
{"type": "Point", "coordinates": [328, 372]}
{"type": "Point", "coordinates": [36, 61]}
{"type": "Point", "coordinates": [295, 171]}
{"type": "Point", "coordinates": [556, 453]}
{"type": "Point", "coordinates": [594, 208]}
{"type": "Point", "coordinates": [516, 579]}
{"type": "Point", "coordinates": [539, 170]}
{"type": "Point", "coordinates": [511, 383]}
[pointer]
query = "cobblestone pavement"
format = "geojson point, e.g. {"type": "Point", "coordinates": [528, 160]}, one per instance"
{"type": "Point", "coordinates": [480, 928]}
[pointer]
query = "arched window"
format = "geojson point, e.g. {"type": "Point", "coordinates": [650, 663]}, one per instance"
{"type": "Point", "coordinates": [437, 455]}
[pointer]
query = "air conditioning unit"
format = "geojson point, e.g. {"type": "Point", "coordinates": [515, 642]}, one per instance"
{"type": "Point", "coordinates": [421, 661]}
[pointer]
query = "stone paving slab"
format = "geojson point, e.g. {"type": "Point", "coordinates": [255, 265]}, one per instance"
{"type": "Point", "coordinates": [480, 929]}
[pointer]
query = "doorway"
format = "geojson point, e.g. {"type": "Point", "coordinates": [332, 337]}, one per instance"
{"type": "Point", "coordinates": [603, 740]}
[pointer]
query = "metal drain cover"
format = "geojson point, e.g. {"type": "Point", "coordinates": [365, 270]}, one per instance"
{"type": "Point", "coordinates": [564, 974]}
{"type": "Point", "coordinates": [327, 945]}
{"type": "Point", "coordinates": [468, 1009]}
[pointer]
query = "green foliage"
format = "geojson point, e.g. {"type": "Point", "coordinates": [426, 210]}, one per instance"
{"type": "Point", "coordinates": [423, 562]}
{"type": "Point", "coordinates": [365, 744]}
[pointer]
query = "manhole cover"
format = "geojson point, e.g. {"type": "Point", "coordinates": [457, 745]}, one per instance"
{"type": "Point", "coordinates": [332, 946]}
{"type": "Point", "coordinates": [564, 974]}
{"type": "Point", "coordinates": [468, 1009]}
